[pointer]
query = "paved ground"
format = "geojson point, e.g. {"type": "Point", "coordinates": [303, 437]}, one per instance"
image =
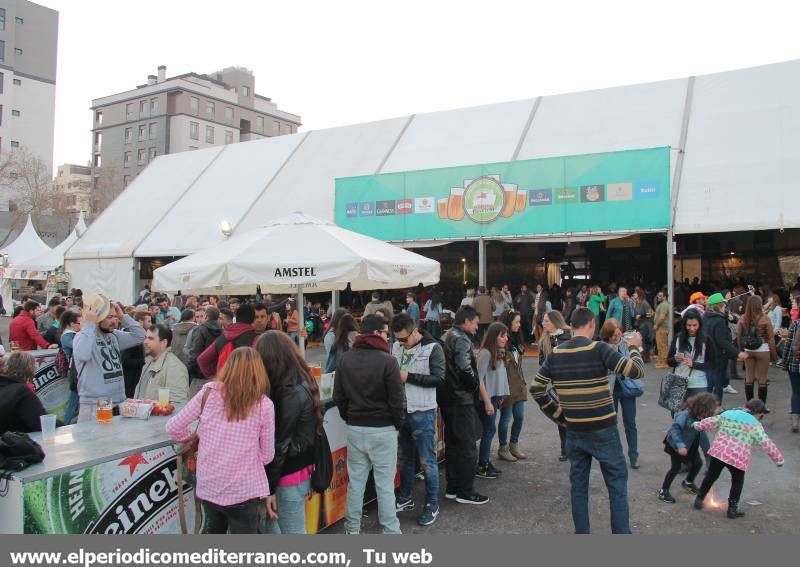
{"type": "Point", "coordinates": [532, 496]}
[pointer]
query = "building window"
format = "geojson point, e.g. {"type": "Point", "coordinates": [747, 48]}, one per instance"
{"type": "Point", "coordinates": [14, 112]}
{"type": "Point", "coordinates": [210, 111]}
{"type": "Point", "coordinates": [142, 132]}
{"type": "Point", "coordinates": [17, 51]}
{"type": "Point", "coordinates": [127, 161]}
{"type": "Point", "coordinates": [126, 180]}
{"type": "Point", "coordinates": [128, 135]}
{"type": "Point", "coordinates": [14, 144]}
{"type": "Point", "coordinates": [2, 82]}
{"type": "Point", "coordinates": [129, 111]}
{"type": "Point", "coordinates": [97, 160]}
{"type": "Point", "coordinates": [260, 124]}
{"type": "Point", "coordinates": [228, 137]}
{"type": "Point", "coordinates": [246, 90]}
{"type": "Point", "coordinates": [2, 18]}
{"type": "Point", "coordinates": [142, 155]}
{"type": "Point", "coordinates": [151, 154]}
{"type": "Point", "coordinates": [228, 115]}
{"type": "Point", "coordinates": [98, 139]}
{"type": "Point", "coordinates": [194, 130]}
{"type": "Point", "coordinates": [153, 130]}
{"type": "Point", "coordinates": [153, 106]}
{"type": "Point", "coordinates": [19, 20]}
{"type": "Point", "coordinates": [209, 134]}
{"type": "Point", "coordinates": [98, 116]}
{"type": "Point", "coordinates": [142, 107]}
{"type": "Point", "coordinates": [1, 114]}
{"type": "Point", "coordinates": [2, 50]}
{"type": "Point", "coordinates": [276, 127]}
{"type": "Point", "coordinates": [17, 82]}
{"type": "Point", "coordinates": [194, 105]}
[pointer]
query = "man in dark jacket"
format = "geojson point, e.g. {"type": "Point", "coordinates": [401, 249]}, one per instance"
{"type": "Point", "coordinates": [715, 327]}
{"type": "Point", "coordinates": [369, 394]}
{"type": "Point", "coordinates": [524, 302]}
{"type": "Point", "coordinates": [238, 334]}
{"type": "Point", "coordinates": [457, 400]}
{"type": "Point", "coordinates": [422, 369]}
{"type": "Point", "coordinates": [202, 337]}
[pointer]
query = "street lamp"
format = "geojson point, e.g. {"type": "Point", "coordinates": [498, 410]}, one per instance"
{"type": "Point", "coordinates": [464, 262]}
{"type": "Point", "coordinates": [226, 228]}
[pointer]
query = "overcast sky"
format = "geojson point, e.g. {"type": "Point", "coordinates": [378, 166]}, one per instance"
{"type": "Point", "coordinates": [346, 61]}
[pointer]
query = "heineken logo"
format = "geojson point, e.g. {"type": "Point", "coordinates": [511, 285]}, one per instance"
{"type": "Point", "coordinates": [45, 374]}
{"type": "Point", "coordinates": [483, 199]}
{"type": "Point", "coordinates": [296, 272]}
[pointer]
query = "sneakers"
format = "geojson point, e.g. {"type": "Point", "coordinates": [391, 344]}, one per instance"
{"type": "Point", "coordinates": [450, 494]}
{"type": "Point", "coordinates": [429, 515]}
{"type": "Point", "coordinates": [729, 390]}
{"type": "Point", "coordinates": [634, 463]}
{"type": "Point", "coordinates": [665, 496]}
{"type": "Point", "coordinates": [473, 498]}
{"type": "Point", "coordinates": [487, 471]}
{"type": "Point", "coordinates": [689, 487]}
{"type": "Point", "coordinates": [504, 454]}
{"type": "Point", "coordinates": [562, 458]}
{"type": "Point", "coordinates": [733, 510]}
{"type": "Point", "coordinates": [403, 503]}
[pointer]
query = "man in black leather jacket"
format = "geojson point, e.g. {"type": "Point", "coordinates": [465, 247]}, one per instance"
{"type": "Point", "coordinates": [456, 399]}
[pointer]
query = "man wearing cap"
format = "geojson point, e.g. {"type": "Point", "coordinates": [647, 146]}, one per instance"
{"type": "Point", "coordinates": [715, 327]}
{"type": "Point", "coordinates": [96, 352]}
{"type": "Point", "coordinates": [697, 301]}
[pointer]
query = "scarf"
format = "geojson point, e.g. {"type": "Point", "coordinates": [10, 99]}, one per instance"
{"type": "Point", "coordinates": [370, 341]}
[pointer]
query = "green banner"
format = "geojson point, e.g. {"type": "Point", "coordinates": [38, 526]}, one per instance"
{"type": "Point", "coordinates": [617, 191]}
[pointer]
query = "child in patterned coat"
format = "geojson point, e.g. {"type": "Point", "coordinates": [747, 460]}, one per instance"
{"type": "Point", "coordinates": [739, 429]}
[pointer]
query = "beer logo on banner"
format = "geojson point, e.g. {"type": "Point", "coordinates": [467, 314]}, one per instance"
{"type": "Point", "coordinates": [405, 206]}
{"type": "Point", "coordinates": [351, 210]}
{"type": "Point", "coordinates": [483, 200]}
{"type": "Point", "coordinates": [385, 208]}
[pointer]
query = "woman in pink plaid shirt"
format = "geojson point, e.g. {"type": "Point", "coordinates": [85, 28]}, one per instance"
{"type": "Point", "coordinates": [237, 438]}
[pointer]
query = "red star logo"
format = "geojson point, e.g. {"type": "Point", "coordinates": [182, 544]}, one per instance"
{"type": "Point", "coordinates": [133, 461]}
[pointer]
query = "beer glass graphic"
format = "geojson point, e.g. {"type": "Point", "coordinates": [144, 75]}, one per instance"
{"type": "Point", "coordinates": [522, 199]}
{"type": "Point", "coordinates": [509, 199]}
{"type": "Point", "coordinates": [442, 208]}
{"type": "Point", "coordinates": [455, 204]}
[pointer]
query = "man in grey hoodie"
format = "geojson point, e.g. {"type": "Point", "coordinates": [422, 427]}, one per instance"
{"type": "Point", "coordinates": [96, 351]}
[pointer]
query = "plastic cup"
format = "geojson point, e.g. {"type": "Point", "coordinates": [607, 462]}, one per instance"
{"type": "Point", "coordinates": [48, 422]}
{"type": "Point", "coordinates": [163, 396]}
{"type": "Point", "coordinates": [316, 370]}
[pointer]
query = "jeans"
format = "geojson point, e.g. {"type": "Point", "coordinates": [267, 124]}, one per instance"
{"type": "Point", "coordinates": [794, 378]}
{"type": "Point", "coordinates": [294, 336]}
{"type": "Point", "coordinates": [372, 448]}
{"type": "Point", "coordinates": [714, 470]}
{"type": "Point", "coordinates": [291, 509]}
{"type": "Point", "coordinates": [459, 448]}
{"type": "Point", "coordinates": [71, 413]}
{"type": "Point", "coordinates": [489, 429]}
{"type": "Point", "coordinates": [419, 432]}
{"type": "Point", "coordinates": [646, 330]}
{"type": "Point", "coordinates": [603, 445]}
{"type": "Point", "coordinates": [507, 412]}
{"type": "Point", "coordinates": [244, 518]}
{"type": "Point", "coordinates": [718, 379]}
{"type": "Point", "coordinates": [628, 421]}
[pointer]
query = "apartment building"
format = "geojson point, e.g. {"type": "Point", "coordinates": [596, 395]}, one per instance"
{"type": "Point", "coordinates": [73, 184]}
{"type": "Point", "coordinates": [175, 114]}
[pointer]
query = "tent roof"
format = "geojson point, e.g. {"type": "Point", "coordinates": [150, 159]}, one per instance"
{"type": "Point", "coordinates": [741, 155]}
{"type": "Point", "coordinates": [54, 257]}
{"type": "Point", "coordinates": [26, 246]}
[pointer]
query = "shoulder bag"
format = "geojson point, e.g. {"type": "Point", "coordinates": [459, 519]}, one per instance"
{"type": "Point", "coordinates": [673, 388]}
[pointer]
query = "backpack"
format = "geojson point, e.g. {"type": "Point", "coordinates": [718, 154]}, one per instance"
{"type": "Point", "coordinates": [224, 347]}
{"type": "Point", "coordinates": [18, 451]}
{"type": "Point", "coordinates": [62, 362]}
{"type": "Point", "coordinates": [750, 338]}
{"type": "Point", "coordinates": [322, 474]}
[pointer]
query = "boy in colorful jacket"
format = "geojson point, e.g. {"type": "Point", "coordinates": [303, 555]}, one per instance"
{"type": "Point", "coordinates": [739, 429]}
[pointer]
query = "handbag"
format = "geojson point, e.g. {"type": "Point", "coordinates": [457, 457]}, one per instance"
{"type": "Point", "coordinates": [673, 389]}
{"type": "Point", "coordinates": [322, 474]}
{"type": "Point", "coordinates": [187, 471]}
{"type": "Point", "coordinates": [631, 387]}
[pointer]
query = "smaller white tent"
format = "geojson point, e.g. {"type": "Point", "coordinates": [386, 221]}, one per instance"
{"type": "Point", "coordinates": [54, 257]}
{"type": "Point", "coordinates": [26, 246]}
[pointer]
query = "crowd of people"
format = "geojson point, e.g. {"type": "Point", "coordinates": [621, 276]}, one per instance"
{"type": "Point", "coordinates": [236, 367]}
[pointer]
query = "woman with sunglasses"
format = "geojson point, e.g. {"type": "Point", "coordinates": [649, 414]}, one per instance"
{"type": "Point", "coordinates": [513, 407]}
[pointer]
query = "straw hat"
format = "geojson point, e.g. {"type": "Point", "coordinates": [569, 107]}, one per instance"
{"type": "Point", "coordinates": [99, 302]}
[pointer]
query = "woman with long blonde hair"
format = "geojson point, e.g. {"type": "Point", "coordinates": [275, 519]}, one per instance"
{"type": "Point", "coordinates": [555, 331]}
{"type": "Point", "coordinates": [237, 438]}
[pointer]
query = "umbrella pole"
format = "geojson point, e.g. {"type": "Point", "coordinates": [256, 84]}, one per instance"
{"type": "Point", "coordinates": [300, 313]}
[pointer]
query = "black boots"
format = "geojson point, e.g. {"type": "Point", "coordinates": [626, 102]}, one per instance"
{"type": "Point", "coordinates": [733, 509]}
{"type": "Point", "coordinates": [698, 501]}
{"type": "Point", "coordinates": [749, 391]}
{"type": "Point", "coordinates": [762, 393]}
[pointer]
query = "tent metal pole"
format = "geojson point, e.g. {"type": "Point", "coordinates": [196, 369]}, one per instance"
{"type": "Point", "coordinates": [670, 281]}
{"type": "Point", "coordinates": [335, 299]}
{"type": "Point", "coordinates": [481, 262]}
{"type": "Point", "coordinates": [302, 324]}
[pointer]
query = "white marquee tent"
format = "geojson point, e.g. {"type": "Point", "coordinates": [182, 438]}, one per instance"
{"type": "Point", "coordinates": [735, 140]}
{"type": "Point", "coordinates": [26, 246]}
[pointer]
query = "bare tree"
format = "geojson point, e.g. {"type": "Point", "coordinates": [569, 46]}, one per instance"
{"type": "Point", "coordinates": [29, 181]}
{"type": "Point", "coordinates": [107, 184]}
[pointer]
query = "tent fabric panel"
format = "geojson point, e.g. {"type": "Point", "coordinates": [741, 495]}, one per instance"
{"type": "Point", "coordinates": [112, 277]}
{"type": "Point", "coordinates": [120, 229]}
{"type": "Point", "coordinates": [307, 181]}
{"type": "Point", "coordinates": [742, 152]}
{"type": "Point", "coordinates": [225, 191]}
{"type": "Point", "coordinates": [481, 134]}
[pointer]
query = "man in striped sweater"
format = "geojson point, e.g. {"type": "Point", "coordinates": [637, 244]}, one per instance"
{"type": "Point", "coordinates": [572, 389]}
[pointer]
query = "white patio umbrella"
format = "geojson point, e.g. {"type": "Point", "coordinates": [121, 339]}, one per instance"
{"type": "Point", "coordinates": [295, 254]}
